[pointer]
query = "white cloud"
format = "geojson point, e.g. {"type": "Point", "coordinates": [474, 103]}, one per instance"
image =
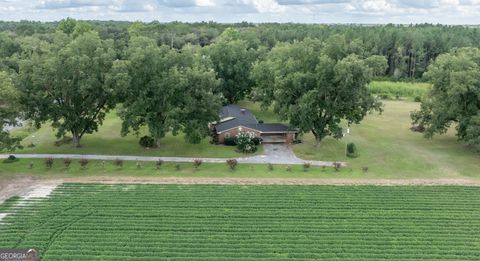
{"type": "Point", "coordinates": [325, 11]}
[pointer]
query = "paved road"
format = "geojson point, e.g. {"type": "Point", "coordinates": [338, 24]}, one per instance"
{"type": "Point", "coordinates": [273, 154]}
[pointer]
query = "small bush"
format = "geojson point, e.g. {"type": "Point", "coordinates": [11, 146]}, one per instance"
{"type": "Point", "coordinates": [158, 163]}
{"type": "Point", "coordinates": [197, 163]}
{"type": "Point", "coordinates": [147, 142]}
{"type": "Point", "coordinates": [245, 143]}
{"type": "Point", "coordinates": [306, 166]}
{"type": "Point", "coordinates": [118, 162]}
{"type": "Point", "coordinates": [230, 141]}
{"type": "Point", "coordinates": [232, 163]}
{"type": "Point", "coordinates": [417, 99]}
{"type": "Point", "coordinates": [139, 165]}
{"type": "Point", "coordinates": [67, 162]}
{"type": "Point", "coordinates": [177, 167]}
{"type": "Point", "coordinates": [83, 163]}
{"type": "Point", "coordinates": [365, 169]}
{"type": "Point", "coordinates": [10, 159]}
{"type": "Point", "coordinates": [289, 168]}
{"type": "Point", "coordinates": [30, 165]}
{"type": "Point", "coordinates": [352, 151]}
{"type": "Point", "coordinates": [49, 163]}
{"type": "Point", "coordinates": [270, 166]}
{"type": "Point", "coordinates": [257, 141]}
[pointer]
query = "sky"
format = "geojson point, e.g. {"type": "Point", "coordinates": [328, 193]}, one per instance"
{"type": "Point", "coordinates": [256, 11]}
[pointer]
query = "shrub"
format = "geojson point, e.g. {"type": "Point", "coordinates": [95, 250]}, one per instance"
{"type": "Point", "coordinates": [10, 159]}
{"type": "Point", "coordinates": [67, 162]}
{"type": "Point", "coordinates": [365, 169]}
{"type": "Point", "coordinates": [230, 141]}
{"type": "Point", "coordinates": [83, 163]}
{"type": "Point", "coordinates": [257, 141]}
{"type": "Point", "coordinates": [139, 165]}
{"type": "Point", "coordinates": [232, 163]}
{"type": "Point", "coordinates": [49, 163]}
{"type": "Point", "coordinates": [289, 168]}
{"type": "Point", "coordinates": [352, 151]}
{"type": "Point", "coordinates": [197, 163]}
{"type": "Point", "coordinates": [270, 166]}
{"type": "Point", "coordinates": [147, 142]}
{"type": "Point", "coordinates": [177, 167]}
{"type": "Point", "coordinates": [306, 166]}
{"type": "Point", "coordinates": [417, 99]}
{"type": "Point", "coordinates": [158, 163]}
{"type": "Point", "coordinates": [118, 162]}
{"type": "Point", "coordinates": [245, 143]}
{"type": "Point", "coordinates": [30, 165]}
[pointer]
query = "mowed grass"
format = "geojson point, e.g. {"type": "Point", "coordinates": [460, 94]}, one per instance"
{"type": "Point", "coordinates": [390, 150]}
{"type": "Point", "coordinates": [152, 222]}
{"type": "Point", "coordinates": [108, 141]}
{"type": "Point", "coordinates": [399, 89]}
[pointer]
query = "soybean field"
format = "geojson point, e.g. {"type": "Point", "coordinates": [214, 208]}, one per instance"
{"type": "Point", "coordinates": [217, 222]}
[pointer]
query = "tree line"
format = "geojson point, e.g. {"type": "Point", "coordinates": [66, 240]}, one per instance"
{"type": "Point", "coordinates": [175, 77]}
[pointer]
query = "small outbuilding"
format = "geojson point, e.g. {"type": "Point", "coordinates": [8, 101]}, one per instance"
{"type": "Point", "coordinates": [235, 119]}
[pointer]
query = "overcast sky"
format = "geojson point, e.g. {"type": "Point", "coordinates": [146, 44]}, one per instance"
{"type": "Point", "coordinates": [300, 11]}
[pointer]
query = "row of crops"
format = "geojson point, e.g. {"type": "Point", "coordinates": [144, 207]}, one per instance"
{"type": "Point", "coordinates": [152, 222]}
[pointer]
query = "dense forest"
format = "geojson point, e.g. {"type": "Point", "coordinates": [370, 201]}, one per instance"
{"type": "Point", "coordinates": [408, 49]}
{"type": "Point", "coordinates": [174, 77]}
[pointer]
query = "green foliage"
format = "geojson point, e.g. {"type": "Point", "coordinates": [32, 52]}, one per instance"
{"type": "Point", "coordinates": [230, 141]}
{"type": "Point", "coordinates": [167, 90]}
{"type": "Point", "coordinates": [147, 142]}
{"type": "Point", "coordinates": [390, 90]}
{"type": "Point", "coordinates": [342, 222]}
{"type": "Point", "coordinates": [454, 97]}
{"type": "Point", "coordinates": [79, 92]}
{"type": "Point", "coordinates": [10, 159]}
{"type": "Point", "coordinates": [232, 163]}
{"type": "Point", "coordinates": [245, 143]}
{"type": "Point", "coordinates": [48, 163]}
{"type": "Point", "coordinates": [316, 89]}
{"type": "Point", "coordinates": [232, 60]}
{"type": "Point", "coordinates": [9, 112]}
{"type": "Point", "coordinates": [352, 151]}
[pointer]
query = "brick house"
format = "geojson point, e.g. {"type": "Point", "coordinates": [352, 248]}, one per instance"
{"type": "Point", "coordinates": [234, 119]}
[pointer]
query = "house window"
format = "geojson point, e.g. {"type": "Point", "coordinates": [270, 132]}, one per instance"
{"type": "Point", "coordinates": [227, 134]}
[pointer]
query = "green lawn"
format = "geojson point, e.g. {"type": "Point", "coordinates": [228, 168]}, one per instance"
{"type": "Point", "coordinates": [390, 150]}
{"type": "Point", "coordinates": [211, 222]}
{"type": "Point", "coordinates": [108, 141]}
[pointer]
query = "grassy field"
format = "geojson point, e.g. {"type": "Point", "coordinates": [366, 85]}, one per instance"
{"type": "Point", "coordinates": [393, 90]}
{"type": "Point", "coordinates": [390, 150]}
{"type": "Point", "coordinates": [108, 141]}
{"type": "Point", "coordinates": [151, 222]}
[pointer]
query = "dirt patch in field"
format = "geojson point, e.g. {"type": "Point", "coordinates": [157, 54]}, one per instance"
{"type": "Point", "coordinates": [28, 187]}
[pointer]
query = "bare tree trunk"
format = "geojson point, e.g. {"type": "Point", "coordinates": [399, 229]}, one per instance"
{"type": "Point", "coordinates": [317, 141]}
{"type": "Point", "coordinates": [157, 142]}
{"type": "Point", "coordinates": [76, 140]}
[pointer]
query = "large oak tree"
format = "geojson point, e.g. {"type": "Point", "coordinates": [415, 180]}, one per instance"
{"type": "Point", "coordinates": [168, 90]}
{"type": "Point", "coordinates": [454, 97]}
{"type": "Point", "coordinates": [315, 88]}
{"type": "Point", "coordinates": [68, 83]}
{"type": "Point", "coordinates": [9, 111]}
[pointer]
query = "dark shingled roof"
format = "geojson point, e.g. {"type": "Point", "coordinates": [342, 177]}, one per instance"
{"type": "Point", "coordinates": [233, 116]}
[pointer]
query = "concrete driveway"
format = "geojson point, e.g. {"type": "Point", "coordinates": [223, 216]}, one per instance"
{"type": "Point", "coordinates": [275, 154]}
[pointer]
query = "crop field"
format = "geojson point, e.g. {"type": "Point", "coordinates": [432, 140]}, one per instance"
{"type": "Point", "coordinates": [151, 222]}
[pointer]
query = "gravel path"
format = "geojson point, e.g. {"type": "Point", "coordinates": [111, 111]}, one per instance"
{"type": "Point", "coordinates": [274, 154]}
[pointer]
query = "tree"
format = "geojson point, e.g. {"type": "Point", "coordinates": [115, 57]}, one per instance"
{"type": "Point", "coordinates": [8, 111]}
{"type": "Point", "coordinates": [69, 84]}
{"type": "Point", "coordinates": [168, 90]}
{"type": "Point", "coordinates": [378, 64]}
{"type": "Point", "coordinates": [232, 60]}
{"type": "Point", "coordinates": [454, 97]}
{"type": "Point", "coordinates": [312, 90]}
